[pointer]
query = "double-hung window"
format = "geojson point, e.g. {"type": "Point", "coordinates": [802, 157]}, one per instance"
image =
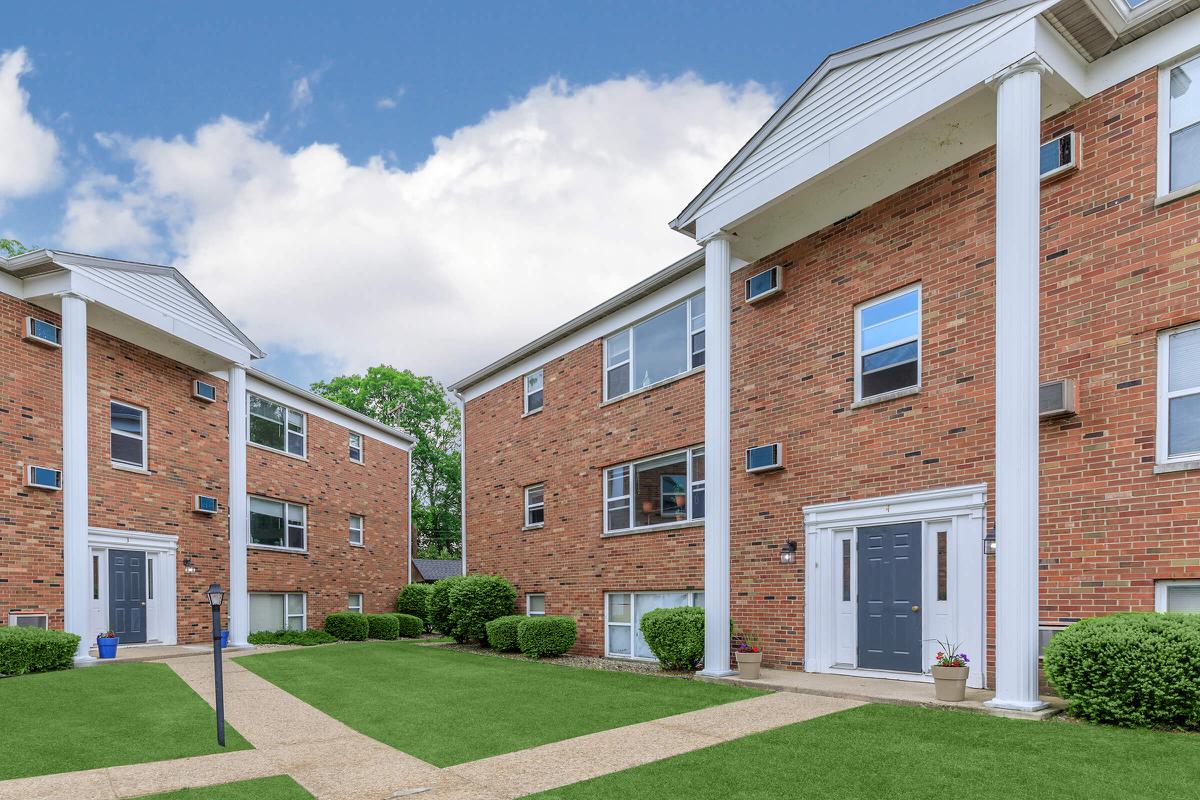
{"type": "Point", "coordinates": [127, 435]}
{"type": "Point", "coordinates": [654, 350]}
{"type": "Point", "coordinates": [356, 448]}
{"type": "Point", "coordinates": [623, 612]}
{"type": "Point", "coordinates": [535, 605]}
{"type": "Point", "coordinates": [356, 529]}
{"type": "Point", "coordinates": [1179, 394]}
{"type": "Point", "coordinates": [273, 611]}
{"type": "Point", "coordinates": [887, 344]}
{"type": "Point", "coordinates": [534, 392]}
{"type": "Point", "coordinates": [276, 426]}
{"type": "Point", "coordinates": [535, 506]}
{"type": "Point", "coordinates": [355, 602]}
{"type": "Point", "coordinates": [1179, 127]}
{"type": "Point", "coordinates": [274, 523]}
{"type": "Point", "coordinates": [654, 491]}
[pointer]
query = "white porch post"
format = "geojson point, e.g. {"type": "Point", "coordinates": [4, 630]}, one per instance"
{"type": "Point", "coordinates": [1018, 214]}
{"type": "Point", "coordinates": [717, 261]}
{"type": "Point", "coordinates": [239, 598]}
{"type": "Point", "coordinates": [76, 556]}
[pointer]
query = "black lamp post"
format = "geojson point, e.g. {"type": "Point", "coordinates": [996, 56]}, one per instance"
{"type": "Point", "coordinates": [215, 595]}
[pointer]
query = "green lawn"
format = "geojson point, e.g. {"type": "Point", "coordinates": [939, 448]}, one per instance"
{"type": "Point", "coordinates": [103, 716]}
{"type": "Point", "coordinates": [882, 752]}
{"type": "Point", "coordinates": [448, 707]}
{"type": "Point", "coordinates": [281, 787]}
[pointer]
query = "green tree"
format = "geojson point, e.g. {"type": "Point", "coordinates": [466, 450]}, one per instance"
{"type": "Point", "coordinates": [11, 247]}
{"type": "Point", "coordinates": [419, 405]}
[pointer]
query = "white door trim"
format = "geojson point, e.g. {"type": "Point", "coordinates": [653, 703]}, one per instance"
{"type": "Point", "coordinates": [163, 547]}
{"type": "Point", "coordinates": [958, 510]}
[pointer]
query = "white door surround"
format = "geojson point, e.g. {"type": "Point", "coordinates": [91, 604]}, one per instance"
{"type": "Point", "coordinates": [162, 607]}
{"type": "Point", "coordinates": [830, 619]}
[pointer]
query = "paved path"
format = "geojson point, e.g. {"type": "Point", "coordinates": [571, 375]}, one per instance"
{"type": "Point", "coordinates": [334, 762]}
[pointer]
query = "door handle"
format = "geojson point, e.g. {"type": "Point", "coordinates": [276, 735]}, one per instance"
{"type": "Point", "coordinates": [143, 605]}
{"type": "Point", "coordinates": [916, 609]}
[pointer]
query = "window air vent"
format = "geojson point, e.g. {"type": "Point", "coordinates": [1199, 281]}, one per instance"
{"type": "Point", "coordinates": [1059, 155]}
{"type": "Point", "coordinates": [43, 477]}
{"type": "Point", "coordinates": [1056, 398]}
{"type": "Point", "coordinates": [764, 458]}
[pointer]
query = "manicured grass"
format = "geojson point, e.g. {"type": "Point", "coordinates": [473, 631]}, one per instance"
{"type": "Point", "coordinates": [448, 707]}
{"type": "Point", "coordinates": [883, 752]}
{"type": "Point", "coordinates": [281, 787]}
{"type": "Point", "coordinates": [103, 716]}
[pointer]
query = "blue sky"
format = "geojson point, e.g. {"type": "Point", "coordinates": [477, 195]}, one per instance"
{"type": "Point", "coordinates": [282, 100]}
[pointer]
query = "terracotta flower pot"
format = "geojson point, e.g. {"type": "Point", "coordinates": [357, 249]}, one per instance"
{"type": "Point", "coordinates": [950, 683]}
{"type": "Point", "coordinates": [749, 665]}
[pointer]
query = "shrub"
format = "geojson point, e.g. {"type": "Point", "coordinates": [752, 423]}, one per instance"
{"type": "Point", "coordinates": [304, 638]}
{"type": "Point", "coordinates": [438, 605]}
{"type": "Point", "coordinates": [502, 632]}
{"type": "Point", "coordinates": [409, 626]}
{"type": "Point", "coordinates": [383, 626]}
{"type": "Point", "coordinates": [349, 626]}
{"type": "Point", "coordinates": [1130, 669]}
{"type": "Point", "coordinates": [414, 599]}
{"type": "Point", "coordinates": [24, 650]}
{"type": "Point", "coordinates": [675, 636]}
{"type": "Point", "coordinates": [546, 636]}
{"type": "Point", "coordinates": [475, 601]}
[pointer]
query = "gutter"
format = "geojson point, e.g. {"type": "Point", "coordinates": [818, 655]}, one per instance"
{"type": "Point", "coordinates": [313, 397]}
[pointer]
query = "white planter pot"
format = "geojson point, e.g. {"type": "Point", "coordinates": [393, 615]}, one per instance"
{"type": "Point", "coordinates": [749, 665]}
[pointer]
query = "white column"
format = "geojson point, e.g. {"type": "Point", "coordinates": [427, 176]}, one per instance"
{"type": "Point", "coordinates": [717, 259]}
{"type": "Point", "coordinates": [77, 573]}
{"type": "Point", "coordinates": [1018, 214]}
{"type": "Point", "coordinates": [239, 521]}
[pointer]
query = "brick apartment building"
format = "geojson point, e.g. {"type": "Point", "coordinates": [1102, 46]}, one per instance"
{"type": "Point", "coordinates": [143, 459]}
{"type": "Point", "coordinates": [933, 374]}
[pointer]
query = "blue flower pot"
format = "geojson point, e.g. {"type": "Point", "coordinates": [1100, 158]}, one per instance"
{"type": "Point", "coordinates": [224, 639]}
{"type": "Point", "coordinates": [107, 647]}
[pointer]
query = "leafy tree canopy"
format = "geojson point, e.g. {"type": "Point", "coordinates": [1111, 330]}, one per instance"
{"type": "Point", "coordinates": [11, 247]}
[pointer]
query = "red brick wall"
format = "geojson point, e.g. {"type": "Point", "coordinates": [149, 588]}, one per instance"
{"type": "Point", "coordinates": [1115, 271]}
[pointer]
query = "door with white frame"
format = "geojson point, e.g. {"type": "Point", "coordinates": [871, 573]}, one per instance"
{"type": "Point", "coordinates": [157, 587]}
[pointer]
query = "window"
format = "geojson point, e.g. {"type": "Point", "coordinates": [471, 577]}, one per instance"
{"type": "Point", "coordinates": [847, 563]}
{"type": "Point", "coordinates": [356, 603]}
{"type": "Point", "coordinates": [534, 394]}
{"type": "Point", "coordinates": [149, 577]}
{"type": "Point", "coordinates": [41, 332]}
{"type": "Point", "coordinates": [95, 577]}
{"type": "Point", "coordinates": [887, 344]}
{"type": "Point", "coordinates": [356, 530]}
{"type": "Point", "coordinates": [1179, 394]}
{"type": "Point", "coordinates": [1179, 127]}
{"type": "Point", "coordinates": [623, 619]}
{"type": "Point", "coordinates": [535, 605]}
{"type": "Point", "coordinates": [271, 611]}
{"type": "Point", "coordinates": [28, 620]}
{"type": "Point", "coordinates": [655, 491]}
{"type": "Point", "coordinates": [43, 477]}
{"type": "Point", "coordinates": [277, 427]}
{"type": "Point", "coordinates": [943, 550]}
{"type": "Point", "coordinates": [535, 506]}
{"type": "Point", "coordinates": [127, 436]}
{"type": "Point", "coordinates": [277, 524]}
{"type": "Point", "coordinates": [356, 448]}
{"type": "Point", "coordinates": [762, 285]}
{"type": "Point", "coordinates": [203, 390]}
{"type": "Point", "coordinates": [668, 344]}
{"type": "Point", "coordinates": [1177, 596]}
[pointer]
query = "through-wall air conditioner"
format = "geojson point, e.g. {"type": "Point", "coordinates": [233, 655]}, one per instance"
{"type": "Point", "coordinates": [206, 504]}
{"type": "Point", "coordinates": [203, 390]}
{"type": "Point", "coordinates": [43, 477]}
{"type": "Point", "coordinates": [1056, 398]}
{"type": "Point", "coordinates": [763, 285]}
{"type": "Point", "coordinates": [1059, 155]}
{"type": "Point", "coordinates": [764, 458]}
{"type": "Point", "coordinates": [41, 332]}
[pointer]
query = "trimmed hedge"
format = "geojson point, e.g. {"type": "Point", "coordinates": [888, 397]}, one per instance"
{"type": "Point", "coordinates": [25, 650]}
{"type": "Point", "coordinates": [414, 599]}
{"type": "Point", "coordinates": [475, 601]}
{"type": "Point", "coordinates": [1136, 670]}
{"type": "Point", "coordinates": [546, 636]}
{"type": "Point", "coordinates": [502, 632]}
{"type": "Point", "coordinates": [675, 636]}
{"type": "Point", "coordinates": [409, 626]}
{"type": "Point", "coordinates": [383, 626]}
{"type": "Point", "coordinates": [438, 605]}
{"type": "Point", "coordinates": [305, 638]}
{"type": "Point", "coordinates": [348, 626]}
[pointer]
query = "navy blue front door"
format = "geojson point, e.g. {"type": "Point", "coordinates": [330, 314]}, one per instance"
{"type": "Point", "coordinates": [127, 594]}
{"type": "Point", "coordinates": [889, 597]}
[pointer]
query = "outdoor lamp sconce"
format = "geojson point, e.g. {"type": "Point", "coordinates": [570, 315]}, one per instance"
{"type": "Point", "coordinates": [787, 553]}
{"type": "Point", "coordinates": [989, 543]}
{"type": "Point", "coordinates": [189, 568]}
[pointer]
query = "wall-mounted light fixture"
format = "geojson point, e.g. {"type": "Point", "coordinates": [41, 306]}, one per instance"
{"type": "Point", "coordinates": [989, 542]}
{"type": "Point", "coordinates": [787, 553]}
{"type": "Point", "coordinates": [189, 568]}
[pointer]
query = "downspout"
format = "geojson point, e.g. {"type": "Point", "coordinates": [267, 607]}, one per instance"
{"type": "Point", "coordinates": [410, 499]}
{"type": "Point", "coordinates": [462, 480]}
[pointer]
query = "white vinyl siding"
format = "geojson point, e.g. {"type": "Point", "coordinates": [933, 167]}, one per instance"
{"type": "Point", "coordinates": [127, 435]}
{"type": "Point", "coordinates": [887, 344]}
{"type": "Point", "coordinates": [276, 426]}
{"type": "Point", "coordinates": [1179, 394]}
{"type": "Point", "coordinates": [1179, 127]}
{"type": "Point", "coordinates": [623, 612]}
{"type": "Point", "coordinates": [270, 611]}
{"type": "Point", "coordinates": [654, 350]}
{"type": "Point", "coordinates": [661, 490]}
{"type": "Point", "coordinates": [535, 394]}
{"type": "Point", "coordinates": [356, 530]}
{"type": "Point", "coordinates": [277, 524]}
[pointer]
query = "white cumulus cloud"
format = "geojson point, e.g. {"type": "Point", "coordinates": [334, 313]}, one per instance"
{"type": "Point", "coordinates": [28, 151]}
{"type": "Point", "coordinates": [511, 226]}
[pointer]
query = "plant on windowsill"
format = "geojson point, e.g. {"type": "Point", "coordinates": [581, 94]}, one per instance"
{"type": "Point", "coordinates": [950, 669]}
{"type": "Point", "coordinates": [749, 657]}
{"type": "Point", "coordinates": [106, 644]}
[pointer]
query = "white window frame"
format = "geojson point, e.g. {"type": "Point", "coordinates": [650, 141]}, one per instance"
{"type": "Point", "coordinates": [1162, 428]}
{"type": "Point", "coordinates": [303, 615]}
{"type": "Point", "coordinates": [351, 447]}
{"type": "Point", "coordinates": [633, 622]}
{"type": "Point", "coordinates": [304, 519]}
{"type": "Point", "coordinates": [287, 412]}
{"type": "Point", "coordinates": [530, 506]}
{"type": "Point", "coordinates": [690, 305]}
{"type": "Point", "coordinates": [541, 373]}
{"type": "Point", "coordinates": [531, 613]}
{"type": "Point", "coordinates": [361, 530]}
{"type": "Point", "coordinates": [690, 454]}
{"type": "Point", "coordinates": [859, 353]}
{"type": "Point", "coordinates": [777, 271]}
{"type": "Point", "coordinates": [1160, 591]}
{"type": "Point", "coordinates": [1165, 130]}
{"type": "Point", "coordinates": [350, 606]}
{"type": "Point", "coordinates": [31, 337]}
{"type": "Point", "coordinates": [15, 615]}
{"type": "Point", "coordinates": [144, 437]}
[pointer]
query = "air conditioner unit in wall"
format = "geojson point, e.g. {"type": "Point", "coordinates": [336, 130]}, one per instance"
{"type": "Point", "coordinates": [764, 458]}
{"type": "Point", "coordinates": [43, 477]}
{"type": "Point", "coordinates": [203, 390]}
{"type": "Point", "coordinates": [206, 504]}
{"type": "Point", "coordinates": [1059, 155]}
{"type": "Point", "coordinates": [1056, 398]}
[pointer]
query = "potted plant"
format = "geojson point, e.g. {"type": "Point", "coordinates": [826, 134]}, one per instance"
{"type": "Point", "coordinates": [950, 669]}
{"type": "Point", "coordinates": [106, 644]}
{"type": "Point", "coordinates": [749, 658]}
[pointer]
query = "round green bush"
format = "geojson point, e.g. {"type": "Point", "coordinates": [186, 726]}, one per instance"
{"type": "Point", "coordinates": [502, 632]}
{"type": "Point", "coordinates": [410, 627]}
{"type": "Point", "coordinates": [546, 636]}
{"type": "Point", "coordinates": [25, 650]}
{"type": "Point", "coordinates": [305, 638]}
{"type": "Point", "coordinates": [414, 599]}
{"type": "Point", "coordinates": [348, 626]}
{"type": "Point", "coordinates": [383, 626]}
{"type": "Point", "coordinates": [675, 636]}
{"type": "Point", "coordinates": [437, 612]}
{"type": "Point", "coordinates": [1136, 670]}
{"type": "Point", "coordinates": [475, 601]}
